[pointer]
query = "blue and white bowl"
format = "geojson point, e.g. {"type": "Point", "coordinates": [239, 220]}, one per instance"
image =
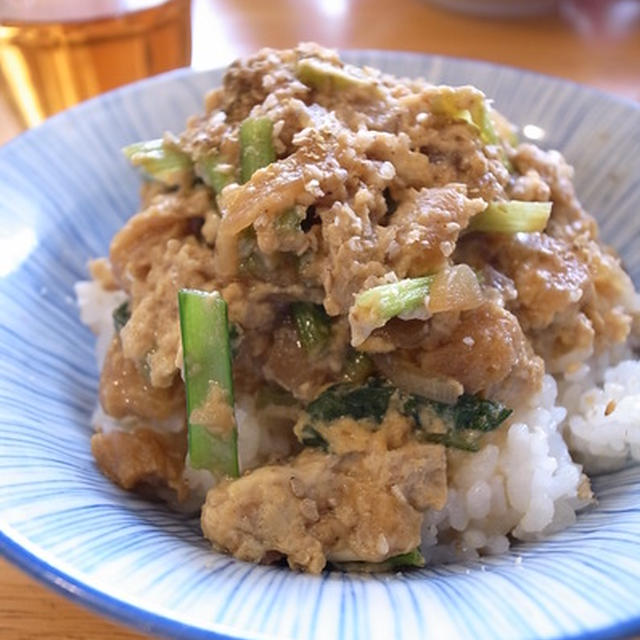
{"type": "Point", "coordinates": [64, 190]}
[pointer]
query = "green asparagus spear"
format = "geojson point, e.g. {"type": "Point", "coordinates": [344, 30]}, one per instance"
{"type": "Point", "coordinates": [213, 433]}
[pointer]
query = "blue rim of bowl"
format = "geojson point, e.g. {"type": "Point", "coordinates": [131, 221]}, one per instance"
{"type": "Point", "coordinates": [141, 619]}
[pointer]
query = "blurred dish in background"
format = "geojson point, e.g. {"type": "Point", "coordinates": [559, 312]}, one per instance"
{"type": "Point", "coordinates": [54, 53]}
{"type": "Point", "coordinates": [499, 8]}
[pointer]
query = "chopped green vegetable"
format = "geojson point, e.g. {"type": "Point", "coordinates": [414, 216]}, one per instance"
{"type": "Point", "coordinates": [482, 117]}
{"type": "Point", "coordinates": [458, 425]}
{"type": "Point", "coordinates": [311, 437]}
{"type": "Point", "coordinates": [357, 368]}
{"type": "Point", "coordinates": [463, 423]}
{"type": "Point", "coordinates": [347, 400]}
{"type": "Point", "coordinates": [313, 326]}
{"type": "Point", "coordinates": [377, 305]}
{"type": "Point", "coordinates": [328, 78]}
{"type": "Point", "coordinates": [405, 560]}
{"type": "Point", "coordinates": [159, 161]}
{"type": "Point", "coordinates": [464, 115]}
{"type": "Point", "coordinates": [463, 105]}
{"type": "Point", "coordinates": [469, 412]}
{"type": "Point", "coordinates": [250, 259]}
{"type": "Point", "coordinates": [290, 219]}
{"type": "Point", "coordinates": [121, 315]}
{"type": "Point", "coordinates": [466, 440]}
{"type": "Point", "coordinates": [256, 146]}
{"type": "Point", "coordinates": [207, 371]}
{"type": "Point", "coordinates": [215, 172]}
{"type": "Point", "coordinates": [512, 216]}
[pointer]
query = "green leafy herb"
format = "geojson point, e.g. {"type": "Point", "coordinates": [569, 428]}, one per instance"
{"type": "Point", "coordinates": [311, 437]}
{"type": "Point", "coordinates": [121, 315]}
{"type": "Point", "coordinates": [458, 425]}
{"type": "Point", "coordinates": [403, 561]}
{"type": "Point", "coordinates": [357, 402]}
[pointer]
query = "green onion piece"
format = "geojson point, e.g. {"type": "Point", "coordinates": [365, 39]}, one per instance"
{"type": "Point", "coordinates": [121, 315]}
{"type": "Point", "coordinates": [313, 326]}
{"type": "Point", "coordinates": [512, 217]}
{"type": "Point", "coordinates": [207, 371]}
{"type": "Point", "coordinates": [256, 146]}
{"type": "Point", "coordinates": [159, 161]}
{"type": "Point", "coordinates": [385, 301]}
{"type": "Point", "coordinates": [326, 77]}
{"type": "Point", "coordinates": [464, 115]}
{"type": "Point", "coordinates": [481, 115]}
{"type": "Point", "coordinates": [290, 219]}
{"type": "Point", "coordinates": [357, 368]}
{"type": "Point", "coordinates": [215, 172]}
{"type": "Point", "coordinates": [470, 108]}
{"type": "Point", "coordinates": [411, 559]}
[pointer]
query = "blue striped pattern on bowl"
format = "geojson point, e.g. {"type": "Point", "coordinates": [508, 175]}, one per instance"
{"type": "Point", "coordinates": [64, 191]}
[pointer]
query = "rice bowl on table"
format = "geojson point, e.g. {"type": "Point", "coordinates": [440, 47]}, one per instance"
{"type": "Point", "coordinates": [358, 322]}
{"type": "Point", "coordinates": [365, 362]}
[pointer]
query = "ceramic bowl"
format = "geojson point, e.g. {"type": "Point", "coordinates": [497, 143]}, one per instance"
{"type": "Point", "coordinates": [64, 190]}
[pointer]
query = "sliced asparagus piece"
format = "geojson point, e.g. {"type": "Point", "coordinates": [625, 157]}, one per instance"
{"type": "Point", "coordinates": [213, 433]}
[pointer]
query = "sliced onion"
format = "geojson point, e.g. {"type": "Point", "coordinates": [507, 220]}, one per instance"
{"type": "Point", "coordinates": [409, 378]}
{"type": "Point", "coordinates": [455, 289]}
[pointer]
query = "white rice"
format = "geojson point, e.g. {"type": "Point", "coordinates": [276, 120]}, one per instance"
{"type": "Point", "coordinates": [523, 483]}
{"type": "Point", "coordinates": [526, 482]}
{"type": "Point", "coordinates": [603, 428]}
{"type": "Point", "coordinates": [96, 306]}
